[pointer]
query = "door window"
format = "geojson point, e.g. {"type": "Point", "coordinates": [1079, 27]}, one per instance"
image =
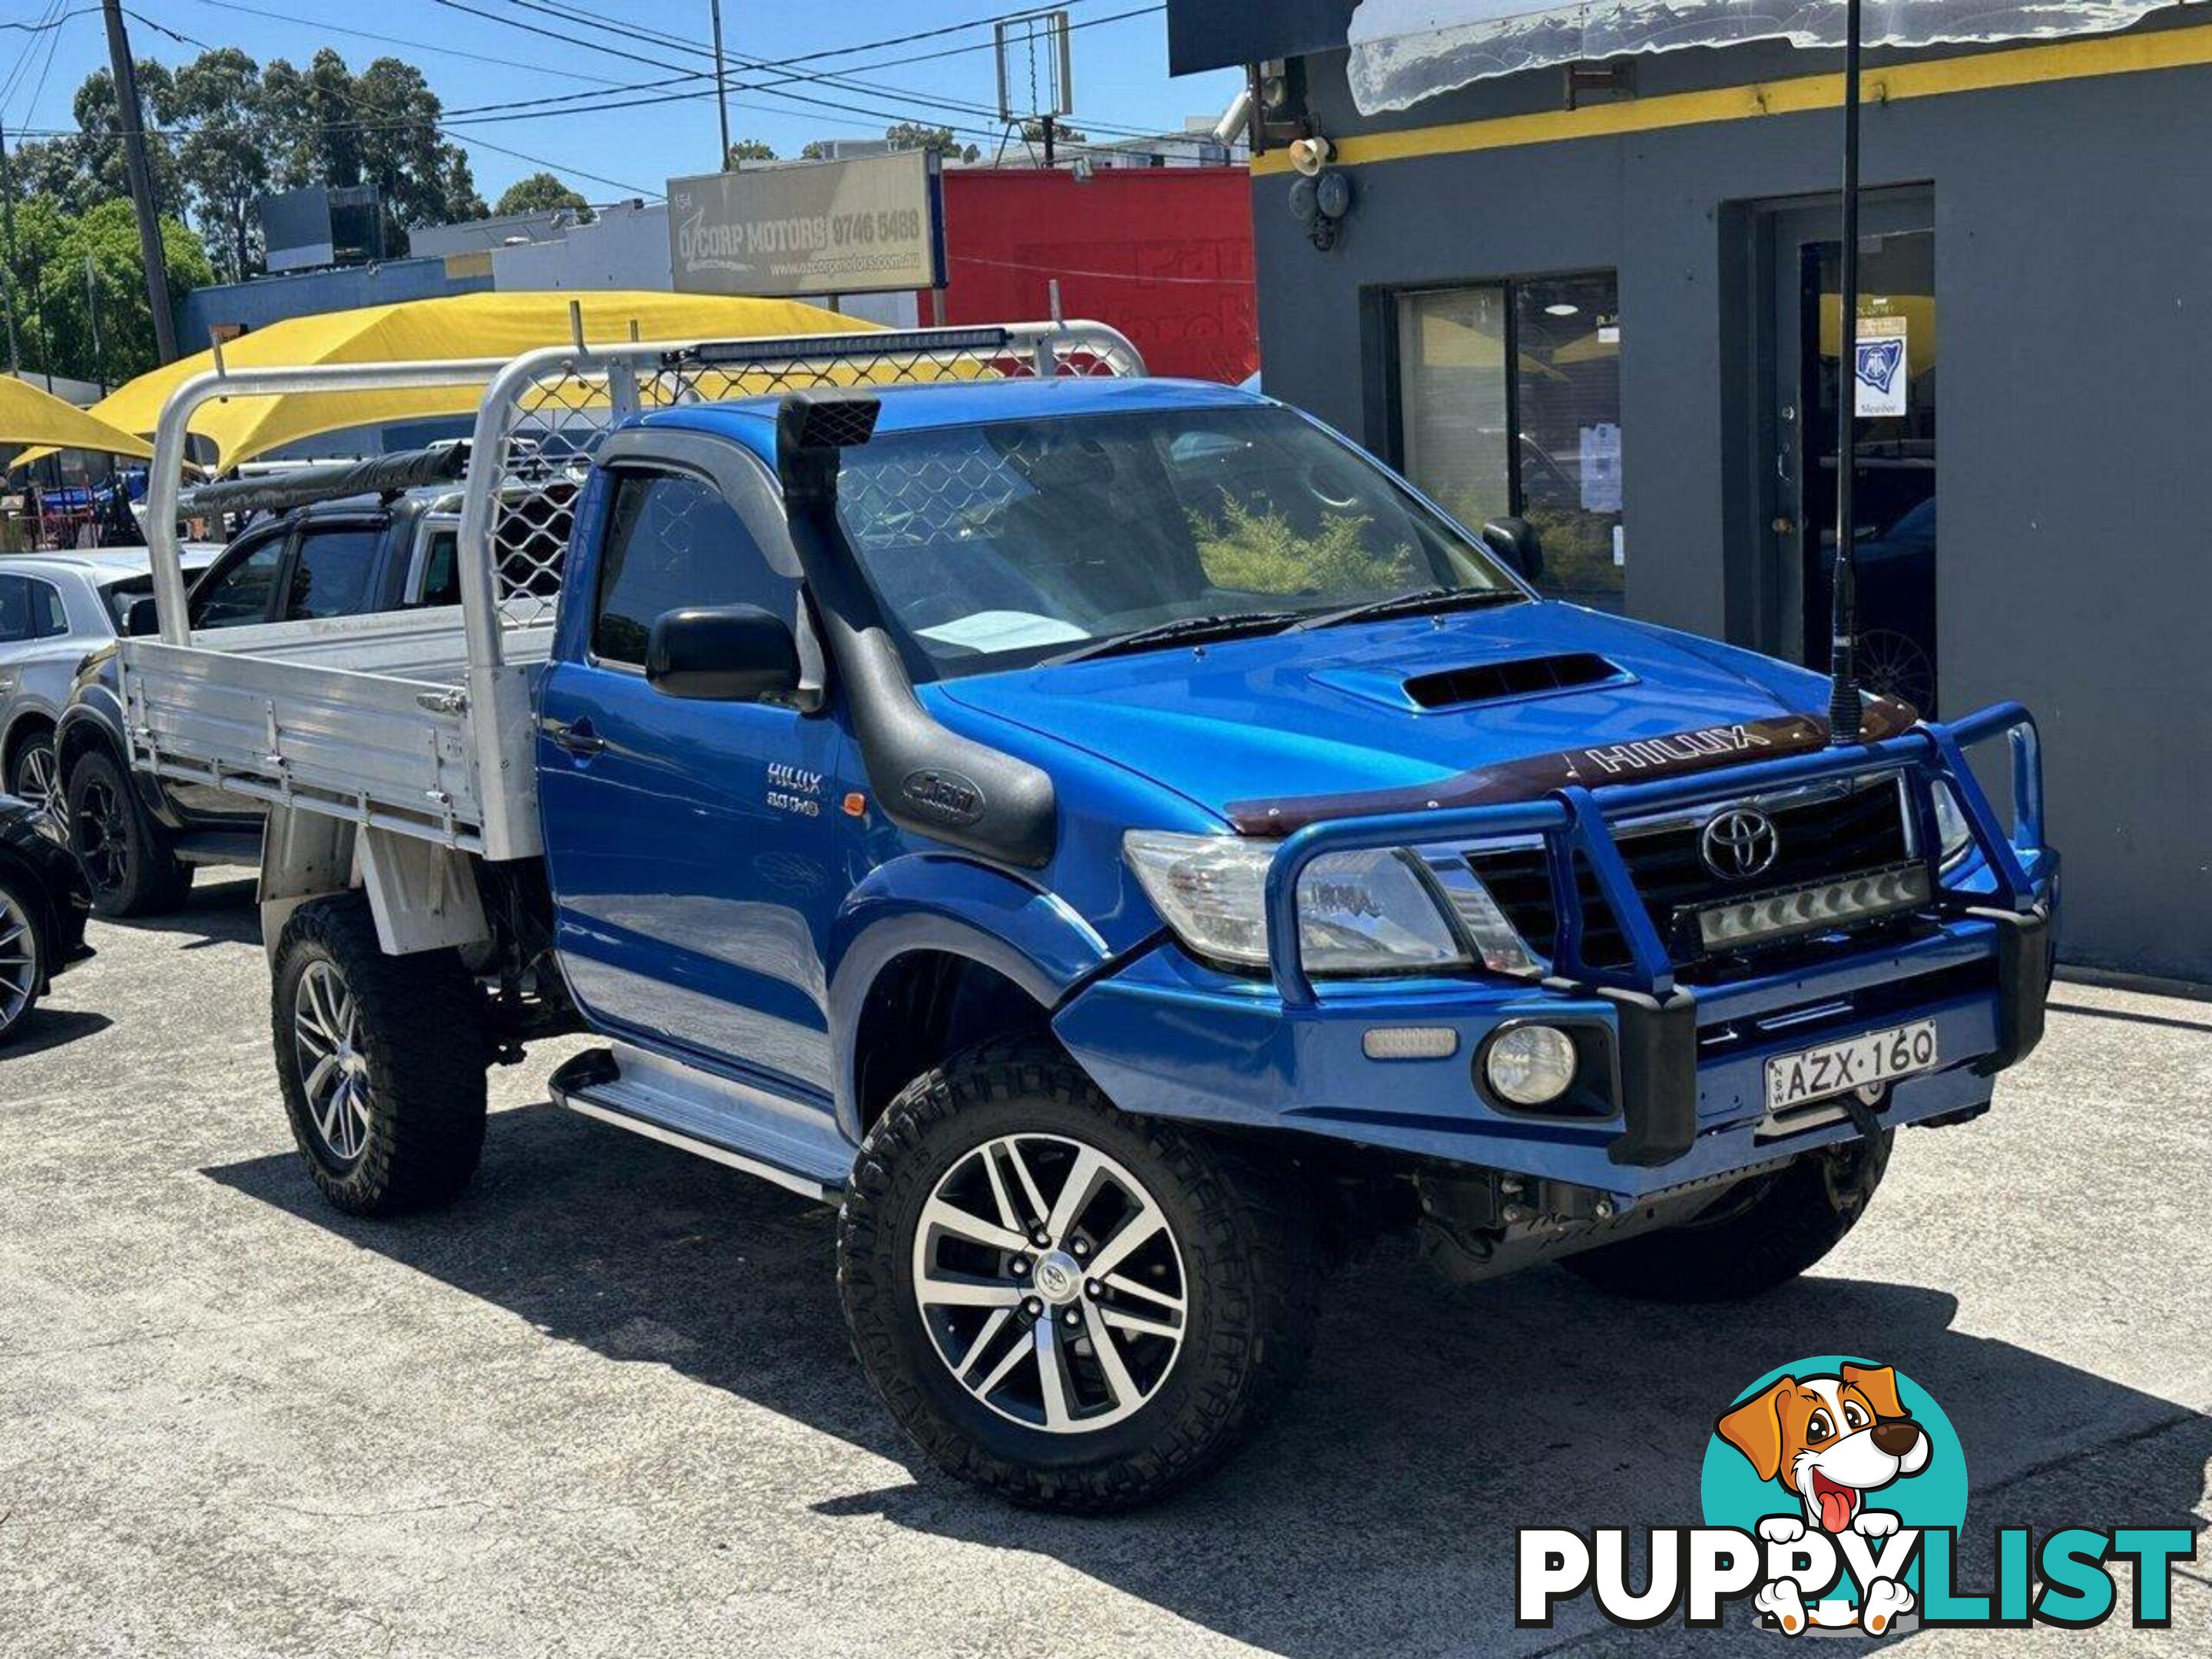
{"type": "Point", "coordinates": [331, 572]}
{"type": "Point", "coordinates": [30, 609]}
{"type": "Point", "coordinates": [1509, 402]}
{"type": "Point", "coordinates": [441, 570]}
{"type": "Point", "coordinates": [673, 542]}
{"type": "Point", "coordinates": [240, 592]}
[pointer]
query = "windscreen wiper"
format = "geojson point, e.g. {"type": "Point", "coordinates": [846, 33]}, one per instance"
{"type": "Point", "coordinates": [1183, 628]}
{"type": "Point", "coordinates": [1406, 605]}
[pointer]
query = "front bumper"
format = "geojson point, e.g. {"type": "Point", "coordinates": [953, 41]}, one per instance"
{"type": "Point", "coordinates": [1679, 1067]}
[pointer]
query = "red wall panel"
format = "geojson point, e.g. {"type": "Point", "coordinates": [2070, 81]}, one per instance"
{"type": "Point", "coordinates": [1164, 254]}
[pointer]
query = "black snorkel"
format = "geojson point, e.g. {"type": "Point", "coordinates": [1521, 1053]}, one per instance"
{"type": "Point", "coordinates": [926, 778]}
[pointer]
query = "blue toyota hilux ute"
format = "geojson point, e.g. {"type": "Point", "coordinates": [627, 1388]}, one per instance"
{"type": "Point", "coordinates": [1129, 848]}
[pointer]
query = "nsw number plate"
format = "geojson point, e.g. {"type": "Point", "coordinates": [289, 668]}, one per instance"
{"type": "Point", "coordinates": [1855, 1063]}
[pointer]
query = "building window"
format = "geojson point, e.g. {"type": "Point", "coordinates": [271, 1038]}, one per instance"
{"type": "Point", "coordinates": [1542, 439]}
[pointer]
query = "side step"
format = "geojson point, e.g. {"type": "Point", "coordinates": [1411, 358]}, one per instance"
{"type": "Point", "coordinates": [799, 1147]}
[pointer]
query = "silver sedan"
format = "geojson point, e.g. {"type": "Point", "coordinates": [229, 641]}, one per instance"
{"type": "Point", "coordinates": [54, 608]}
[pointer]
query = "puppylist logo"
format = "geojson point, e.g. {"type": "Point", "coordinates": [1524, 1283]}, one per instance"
{"type": "Point", "coordinates": [1833, 1491]}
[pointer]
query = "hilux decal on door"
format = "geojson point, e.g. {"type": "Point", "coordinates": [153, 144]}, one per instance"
{"type": "Point", "coordinates": [795, 789]}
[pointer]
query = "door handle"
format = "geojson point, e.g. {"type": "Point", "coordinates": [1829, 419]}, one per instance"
{"type": "Point", "coordinates": [576, 736]}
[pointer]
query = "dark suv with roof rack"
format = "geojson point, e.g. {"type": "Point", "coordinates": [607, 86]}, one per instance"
{"type": "Point", "coordinates": [141, 837]}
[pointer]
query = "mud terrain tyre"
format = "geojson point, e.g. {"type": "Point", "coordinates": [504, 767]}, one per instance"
{"type": "Point", "coordinates": [1756, 1236]}
{"type": "Point", "coordinates": [382, 1059]}
{"type": "Point", "coordinates": [1195, 1266]}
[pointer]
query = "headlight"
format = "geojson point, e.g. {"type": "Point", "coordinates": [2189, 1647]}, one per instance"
{"type": "Point", "coordinates": [1359, 913]}
{"type": "Point", "coordinates": [1955, 837]}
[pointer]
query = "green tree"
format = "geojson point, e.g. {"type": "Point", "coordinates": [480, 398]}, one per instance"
{"type": "Point", "coordinates": [223, 158]}
{"type": "Point", "coordinates": [221, 131]}
{"type": "Point", "coordinates": [913, 135]}
{"type": "Point", "coordinates": [1033, 132]}
{"type": "Point", "coordinates": [542, 192]}
{"type": "Point", "coordinates": [749, 149]}
{"type": "Point", "coordinates": [55, 315]}
{"type": "Point", "coordinates": [423, 178]}
{"type": "Point", "coordinates": [816, 149]}
{"type": "Point", "coordinates": [100, 130]}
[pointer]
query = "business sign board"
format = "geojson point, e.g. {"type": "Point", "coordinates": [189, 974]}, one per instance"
{"type": "Point", "coordinates": [861, 227]}
{"type": "Point", "coordinates": [307, 228]}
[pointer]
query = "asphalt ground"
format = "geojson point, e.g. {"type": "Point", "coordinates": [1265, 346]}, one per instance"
{"type": "Point", "coordinates": [605, 1405]}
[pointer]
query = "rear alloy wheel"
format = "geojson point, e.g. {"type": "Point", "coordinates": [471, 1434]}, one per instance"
{"type": "Point", "coordinates": [129, 868]}
{"type": "Point", "coordinates": [381, 1060]}
{"type": "Point", "coordinates": [19, 959]}
{"type": "Point", "coordinates": [36, 777]}
{"type": "Point", "coordinates": [333, 1067]}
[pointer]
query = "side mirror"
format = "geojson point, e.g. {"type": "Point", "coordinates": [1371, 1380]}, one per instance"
{"type": "Point", "coordinates": [723, 654]}
{"type": "Point", "coordinates": [142, 619]}
{"type": "Point", "coordinates": [1517, 546]}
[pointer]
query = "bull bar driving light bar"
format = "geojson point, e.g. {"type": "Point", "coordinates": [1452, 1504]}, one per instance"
{"type": "Point", "coordinates": [1574, 825]}
{"type": "Point", "coordinates": [1813, 907]}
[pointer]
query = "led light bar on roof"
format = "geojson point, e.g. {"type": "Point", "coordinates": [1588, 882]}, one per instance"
{"type": "Point", "coordinates": [935, 342]}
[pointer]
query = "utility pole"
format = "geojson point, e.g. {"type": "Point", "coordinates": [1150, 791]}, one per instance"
{"type": "Point", "coordinates": [721, 87]}
{"type": "Point", "coordinates": [8, 274]}
{"type": "Point", "coordinates": [1049, 124]}
{"type": "Point", "coordinates": [142, 181]}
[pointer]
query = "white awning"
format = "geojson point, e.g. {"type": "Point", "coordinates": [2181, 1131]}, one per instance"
{"type": "Point", "coordinates": [1404, 51]}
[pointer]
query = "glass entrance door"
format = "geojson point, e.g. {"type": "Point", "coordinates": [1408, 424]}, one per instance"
{"type": "Point", "coordinates": [1893, 377]}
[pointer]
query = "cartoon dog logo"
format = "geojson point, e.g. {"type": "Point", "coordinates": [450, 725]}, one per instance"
{"type": "Point", "coordinates": [1829, 1440]}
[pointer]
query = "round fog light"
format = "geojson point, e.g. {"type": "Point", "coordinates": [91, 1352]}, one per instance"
{"type": "Point", "coordinates": [1531, 1064]}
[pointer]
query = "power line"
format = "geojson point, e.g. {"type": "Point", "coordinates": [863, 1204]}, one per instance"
{"type": "Point", "coordinates": [412, 45]}
{"type": "Point", "coordinates": [572, 102]}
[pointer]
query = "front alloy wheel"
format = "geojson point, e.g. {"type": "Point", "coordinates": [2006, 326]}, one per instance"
{"type": "Point", "coordinates": [1063, 1316]}
{"type": "Point", "coordinates": [1071, 1306]}
{"type": "Point", "coordinates": [100, 837]}
{"type": "Point", "coordinates": [19, 959]}
{"type": "Point", "coordinates": [36, 778]}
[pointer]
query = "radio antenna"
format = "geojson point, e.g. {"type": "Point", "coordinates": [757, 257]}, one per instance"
{"type": "Point", "coordinates": [1846, 709]}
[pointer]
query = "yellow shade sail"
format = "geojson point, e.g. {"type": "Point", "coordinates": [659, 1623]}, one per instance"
{"type": "Point", "coordinates": [29, 415]}
{"type": "Point", "coordinates": [487, 324]}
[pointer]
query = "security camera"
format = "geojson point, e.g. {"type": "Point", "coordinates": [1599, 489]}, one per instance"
{"type": "Point", "coordinates": [1235, 120]}
{"type": "Point", "coordinates": [1310, 155]}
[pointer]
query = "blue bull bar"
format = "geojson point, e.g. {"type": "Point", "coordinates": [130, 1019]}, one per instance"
{"type": "Point", "coordinates": [1574, 824]}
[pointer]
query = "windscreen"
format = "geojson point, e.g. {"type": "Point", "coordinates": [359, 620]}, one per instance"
{"type": "Point", "coordinates": [1004, 545]}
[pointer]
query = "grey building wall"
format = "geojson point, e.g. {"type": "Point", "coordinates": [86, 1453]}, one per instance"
{"type": "Point", "coordinates": [2074, 277]}
{"type": "Point", "coordinates": [267, 300]}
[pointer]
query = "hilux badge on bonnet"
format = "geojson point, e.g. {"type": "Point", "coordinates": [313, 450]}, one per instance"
{"type": "Point", "coordinates": [1740, 843]}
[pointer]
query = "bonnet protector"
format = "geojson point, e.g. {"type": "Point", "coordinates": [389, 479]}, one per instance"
{"type": "Point", "coordinates": [1637, 760]}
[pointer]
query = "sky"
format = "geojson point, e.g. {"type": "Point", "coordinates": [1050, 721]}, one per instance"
{"type": "Point", "coordinates": [482, 52]}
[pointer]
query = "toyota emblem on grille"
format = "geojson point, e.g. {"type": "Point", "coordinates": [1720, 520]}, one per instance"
{"type": "Point", "coordinates": [1740, 843]}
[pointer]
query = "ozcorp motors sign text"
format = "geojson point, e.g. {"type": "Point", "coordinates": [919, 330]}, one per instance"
{"type": "Point", "coordinates": [828, 227]}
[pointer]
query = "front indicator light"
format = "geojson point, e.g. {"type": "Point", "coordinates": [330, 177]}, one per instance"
{"type": "Point", "coordinates": [1530, 1065]}
{"type": "Point", "coordinates": [1410, 1042]}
